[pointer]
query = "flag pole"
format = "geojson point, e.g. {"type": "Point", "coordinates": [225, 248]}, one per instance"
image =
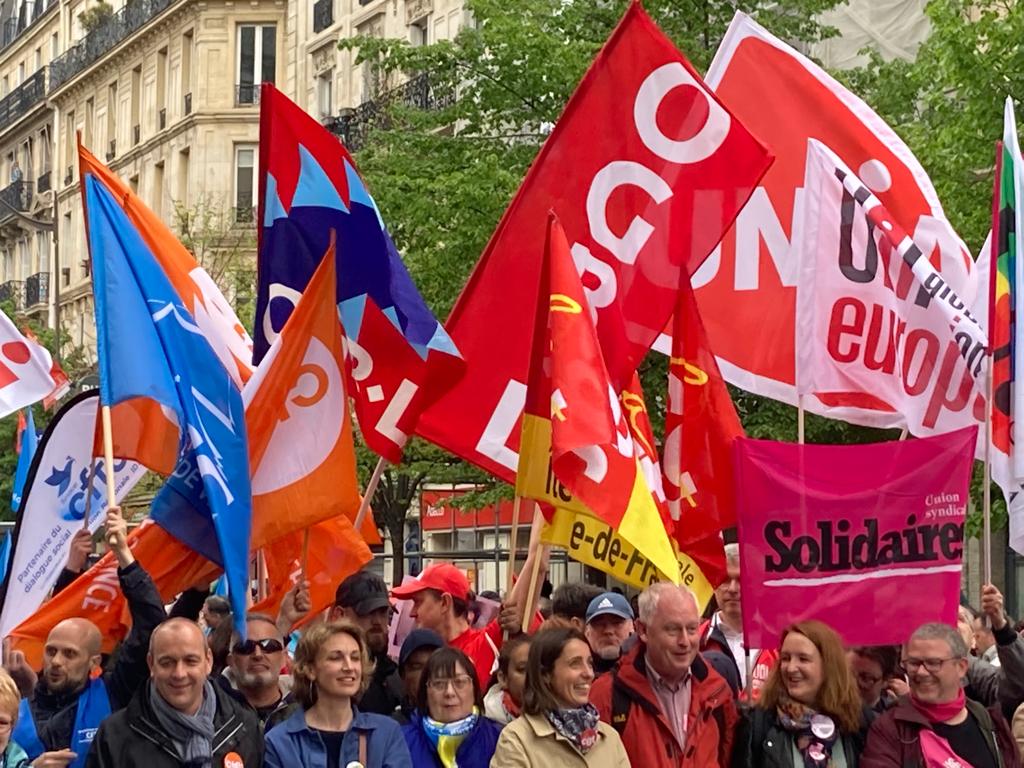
{"type": "Point", "coordinates": [986, 537]}
{"type": "Point", "coordinates": [800, 419]}
{"type": "Point", "coordinates": [513, 542]}
{"type": "Point", "coordinates": [108, 460]}
{"type": "Point", "coordinates": [371, 488]}
{"type": "Point", "coordinates": [305, 552]}
{"type": "Point", "coordinates": [537, 550]}
{"type": "Point", "coordinates": [88, 494]}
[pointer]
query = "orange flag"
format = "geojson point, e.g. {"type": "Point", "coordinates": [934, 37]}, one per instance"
{"type": "Point", "coordinates": [336, 551]}
{"type": "Point", "coordinates": [300, 433]}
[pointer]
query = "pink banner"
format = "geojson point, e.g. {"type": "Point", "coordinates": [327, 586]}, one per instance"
{"type": "Point", "coordinates": [867, 538]}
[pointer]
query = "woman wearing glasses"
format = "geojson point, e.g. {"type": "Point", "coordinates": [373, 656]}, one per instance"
{"type": "Point", "coordinates": [810, 714]}
{"type": "Point", "coordinates": [559, 725]}
{"type": "Point", "coordinates": [332, 667]}
{"type": "Point", "coordinates": [448, 728]}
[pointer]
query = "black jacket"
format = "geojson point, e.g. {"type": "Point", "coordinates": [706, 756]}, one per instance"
{"type": "Point", "coordinates": [132, 736]}
{"type": "Point", "coordinates": [384, 693]}
{"type": "Point", "coordinates": [55, 714]}
{"type": "Point", "coordinates": [761, 742]}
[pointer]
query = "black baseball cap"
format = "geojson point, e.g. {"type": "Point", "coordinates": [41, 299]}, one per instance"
{"type": "Point", "coordinates": [417, 639]}
{"type": "Point", "coordinates": [363, 592]}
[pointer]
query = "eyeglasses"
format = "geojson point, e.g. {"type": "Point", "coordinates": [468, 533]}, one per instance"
{"type": "Point", "coordinates": [248, 647]}
{"type": "Point", "coordinates": [913, 666]}
{"type": "Point", "coordinates": [461, 683]}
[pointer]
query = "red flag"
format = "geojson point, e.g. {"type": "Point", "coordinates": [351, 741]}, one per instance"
{"type": "Point", "coordinates": [573, 407]}
{"type": "Point", "coordinates": [701, 425]}
{"type": "Point", "coordinates": [653, 190]}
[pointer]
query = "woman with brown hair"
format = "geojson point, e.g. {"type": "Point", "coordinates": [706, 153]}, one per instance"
{"type": "Point", "coordinates": [332, 668]}
{"type": "Point", "coordinates": [559, 725]}
{"type": "Point", "coordinates": [810, 714]}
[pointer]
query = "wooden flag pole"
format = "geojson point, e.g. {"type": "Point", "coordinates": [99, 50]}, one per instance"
{"type": "Point", "coordinates": [537, 550]}
{"type": "Point", "coordinates": [986, 538]}
{"type": "Point", "coordinates": [996, 236]}
{"type": "Point", "coordinates": [513, 543]}
{"type": "Point", "coordinates": [903, 434]}
{"type": "Point", "coordinates": [371, 488]}
{"type": "Point", "coordinates": [800, 419]}
{"type": "Point", "coordinates": [88, 494]}
{"type": "Point", "coordinates": [305, 552]}
{"type": "Point", "coordinates": [108, 460]}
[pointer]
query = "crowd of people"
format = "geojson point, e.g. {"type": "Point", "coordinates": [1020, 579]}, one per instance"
{"type": "Point", "coordinates": [599, 680]}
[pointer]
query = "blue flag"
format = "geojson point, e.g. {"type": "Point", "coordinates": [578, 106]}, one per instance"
{"type": "Point", "coordinates": [29, 443]}
{"type": "Point", "coordinates": [5, 555]}
{"type": "Point", "coordinates": [150, 346]}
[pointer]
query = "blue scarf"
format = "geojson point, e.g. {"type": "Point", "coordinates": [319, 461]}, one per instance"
{"type": "Point", "coordinates": [448, 737]}
{"type": "Point", "coordinates": [93, 708]}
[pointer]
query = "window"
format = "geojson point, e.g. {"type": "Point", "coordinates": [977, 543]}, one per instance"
{"type": "Point", "coordinates": [90, 114]}
{"type": "Point", "coordinates": [324, 93]}
{"type": "Point", "coordinates": [183, 158]}
{"type": "Point", "coordinates": [257, 60]}
{"type": "Point", "coordinates": [24, 258]}
{"type": "Point", "coordinates": [419, 31]}
{"type": "Point", "coordinates": [65, 272]}
{"type": "Point", "coordinates": [245, 182]}
{"type": "Point", "coordinates": [54, 47]}
{"type": "Point", "coordinates": [187, 42]}
{"type": "Point", "coordinates": [136, 104]}
{"type": "Point", "coordinates": [4, 88]}
{"type": "Point", "coordinates": [161, 88]}
{"type": "Point", "coordinates": [39, 58]}
{"type": "Point", "coordinates": [21, 73]}
{"type": "Point", "coordinates": [157, 198]}
{"type": "Point", "coordinates": [8, 265]}
{"type": "Point", "coordinates": [70, 150]}
{"type": "Point", "coordinates": [44, 150]}
{"type": "Point", "coordinates": [112, 120]}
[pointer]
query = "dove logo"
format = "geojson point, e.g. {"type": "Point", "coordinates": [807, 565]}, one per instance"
{"type": "Point", "coordinates": [309, 429]}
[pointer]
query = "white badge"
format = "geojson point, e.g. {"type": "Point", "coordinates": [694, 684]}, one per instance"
{"type": "Point", "coordinates": [822, 726]}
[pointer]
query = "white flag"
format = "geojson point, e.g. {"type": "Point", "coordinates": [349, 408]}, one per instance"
{"type": "Point", "coordinates": [24, 369]}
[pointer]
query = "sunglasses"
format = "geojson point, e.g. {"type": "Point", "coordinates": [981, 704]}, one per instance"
{"type": "Point", "coordinates": [248, 647]}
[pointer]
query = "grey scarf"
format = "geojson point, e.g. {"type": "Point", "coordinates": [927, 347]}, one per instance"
{"type": "Point", "coordinates": [192, 735]}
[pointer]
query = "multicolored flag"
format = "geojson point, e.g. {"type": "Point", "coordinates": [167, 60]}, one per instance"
{"type": "Point", "coordinates": [649, 193]}
{"type": "Point", "coordinates": [28, 441]}
{"type": "Point", "coordinates": [149, 346]}
{"type": "Point", "coordinates": [572, 407]}
{"type": "Point", "coordinates": [400, 356]}
{"type": "Point", "coordinates": [1006, 305]}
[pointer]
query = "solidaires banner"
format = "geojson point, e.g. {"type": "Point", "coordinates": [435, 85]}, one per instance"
{"type": "Point", "coordinates": [844, 533]}
{"type": "Point", "coordinates": [54, 504]}
{"type": "Point", "coordinates": [592, 542]}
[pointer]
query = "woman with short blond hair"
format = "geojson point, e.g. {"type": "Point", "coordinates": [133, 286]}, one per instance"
{"type": "Point", "coordinates": [11, 753]}
{"type": "Point", "coordinates": [332, 668]}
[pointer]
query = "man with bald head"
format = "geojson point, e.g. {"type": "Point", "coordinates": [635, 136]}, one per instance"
{"type": "Point", "coordinates": [669, 705]}
{"type": "Point", "coordinates": [179, 717]}
{"type": "Point", "coordinates": [56, 725]}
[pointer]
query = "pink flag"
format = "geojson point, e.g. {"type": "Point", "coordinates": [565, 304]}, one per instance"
{"type": "Point", "coordinates": [852, 535]}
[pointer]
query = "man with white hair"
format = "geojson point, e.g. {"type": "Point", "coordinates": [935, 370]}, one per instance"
{"type": "Point", "coordinates": [672, 709]}
{"type": "Point", "coordinates": [723, 632]}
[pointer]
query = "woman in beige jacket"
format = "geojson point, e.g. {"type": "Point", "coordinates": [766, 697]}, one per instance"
{"type": "Point", "coordinates": [559, 726]}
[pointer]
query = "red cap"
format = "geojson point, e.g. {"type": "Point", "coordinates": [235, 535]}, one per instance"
{"type": "Point", "coordinates": [444, 577]}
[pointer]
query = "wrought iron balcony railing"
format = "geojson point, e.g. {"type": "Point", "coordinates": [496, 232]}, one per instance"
{"type": "Point", "coordinates": [18, 102]}
{"type": "Point", "coordinates": [37, 289]}
{"type": "Point", "coordinates": [323, 15]}
{"type": "Point", "coordinates": [244, 217]}
{"type": "Point", "coordinates": [15, 197]}
{"type": "Point", "coordinates": [132, 17]}
{"type": "Point", "coordinates": [28, 15]}
{"type": "Point", "coordinates": [354, 125]}
{"type": "Point", "coordinates": [247, 94]}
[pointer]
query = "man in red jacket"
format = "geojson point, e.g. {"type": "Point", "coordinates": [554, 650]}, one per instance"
{"type": "Point", "coordinates": [936, 725]}
{"type": "Point", "coordinates": [670, 707]}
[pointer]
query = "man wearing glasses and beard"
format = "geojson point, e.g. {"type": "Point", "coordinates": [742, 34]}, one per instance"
{"type": "Point", "coordinates": [253, 674]}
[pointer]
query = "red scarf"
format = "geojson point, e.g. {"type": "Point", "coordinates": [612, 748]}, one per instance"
{"type": "Point", "coordinates": [941, 712]}
{"type": "Point", "coordinates": [510, 705]}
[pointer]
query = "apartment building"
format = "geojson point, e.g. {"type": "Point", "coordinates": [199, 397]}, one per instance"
{"type": "Point", "coordinates": [29, 41]}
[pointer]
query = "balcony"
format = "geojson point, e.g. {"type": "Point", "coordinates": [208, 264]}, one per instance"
{"type": "Point", "coordinates": [120, 26]}
{"type": "Point", "coordinates": [28, 15]}
{"type": "Point", "coordinates": [188, 104]}
{"type": "Point", "coordinates": [18, 102]}
{"type": "Point", "coordinates": [13, 290]}
{"type": "Point", "coordinates": [16, 197]}
{"type": "Point", "coordinates": [247, 95]}
{"type": "Point", "coordinates": [354, 125]}
{"type": "Point", "coordinates": [37, 289]}
{"type": "Point", "coordinates": [161, 119]}
{"type": "Point", "coordinates": [43, 183]}
{"type": "Point", "coordinates": [243, 217]}
{"type": "Point", "coordinates": [323, 15]}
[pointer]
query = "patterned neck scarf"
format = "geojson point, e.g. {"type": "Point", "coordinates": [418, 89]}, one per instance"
{"type": "Point", "coordinates": [815, 734]}
{"type": "Point", "coordinates": [448, 737]}
{"type": "Point", "coordinates": [578, 725]}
